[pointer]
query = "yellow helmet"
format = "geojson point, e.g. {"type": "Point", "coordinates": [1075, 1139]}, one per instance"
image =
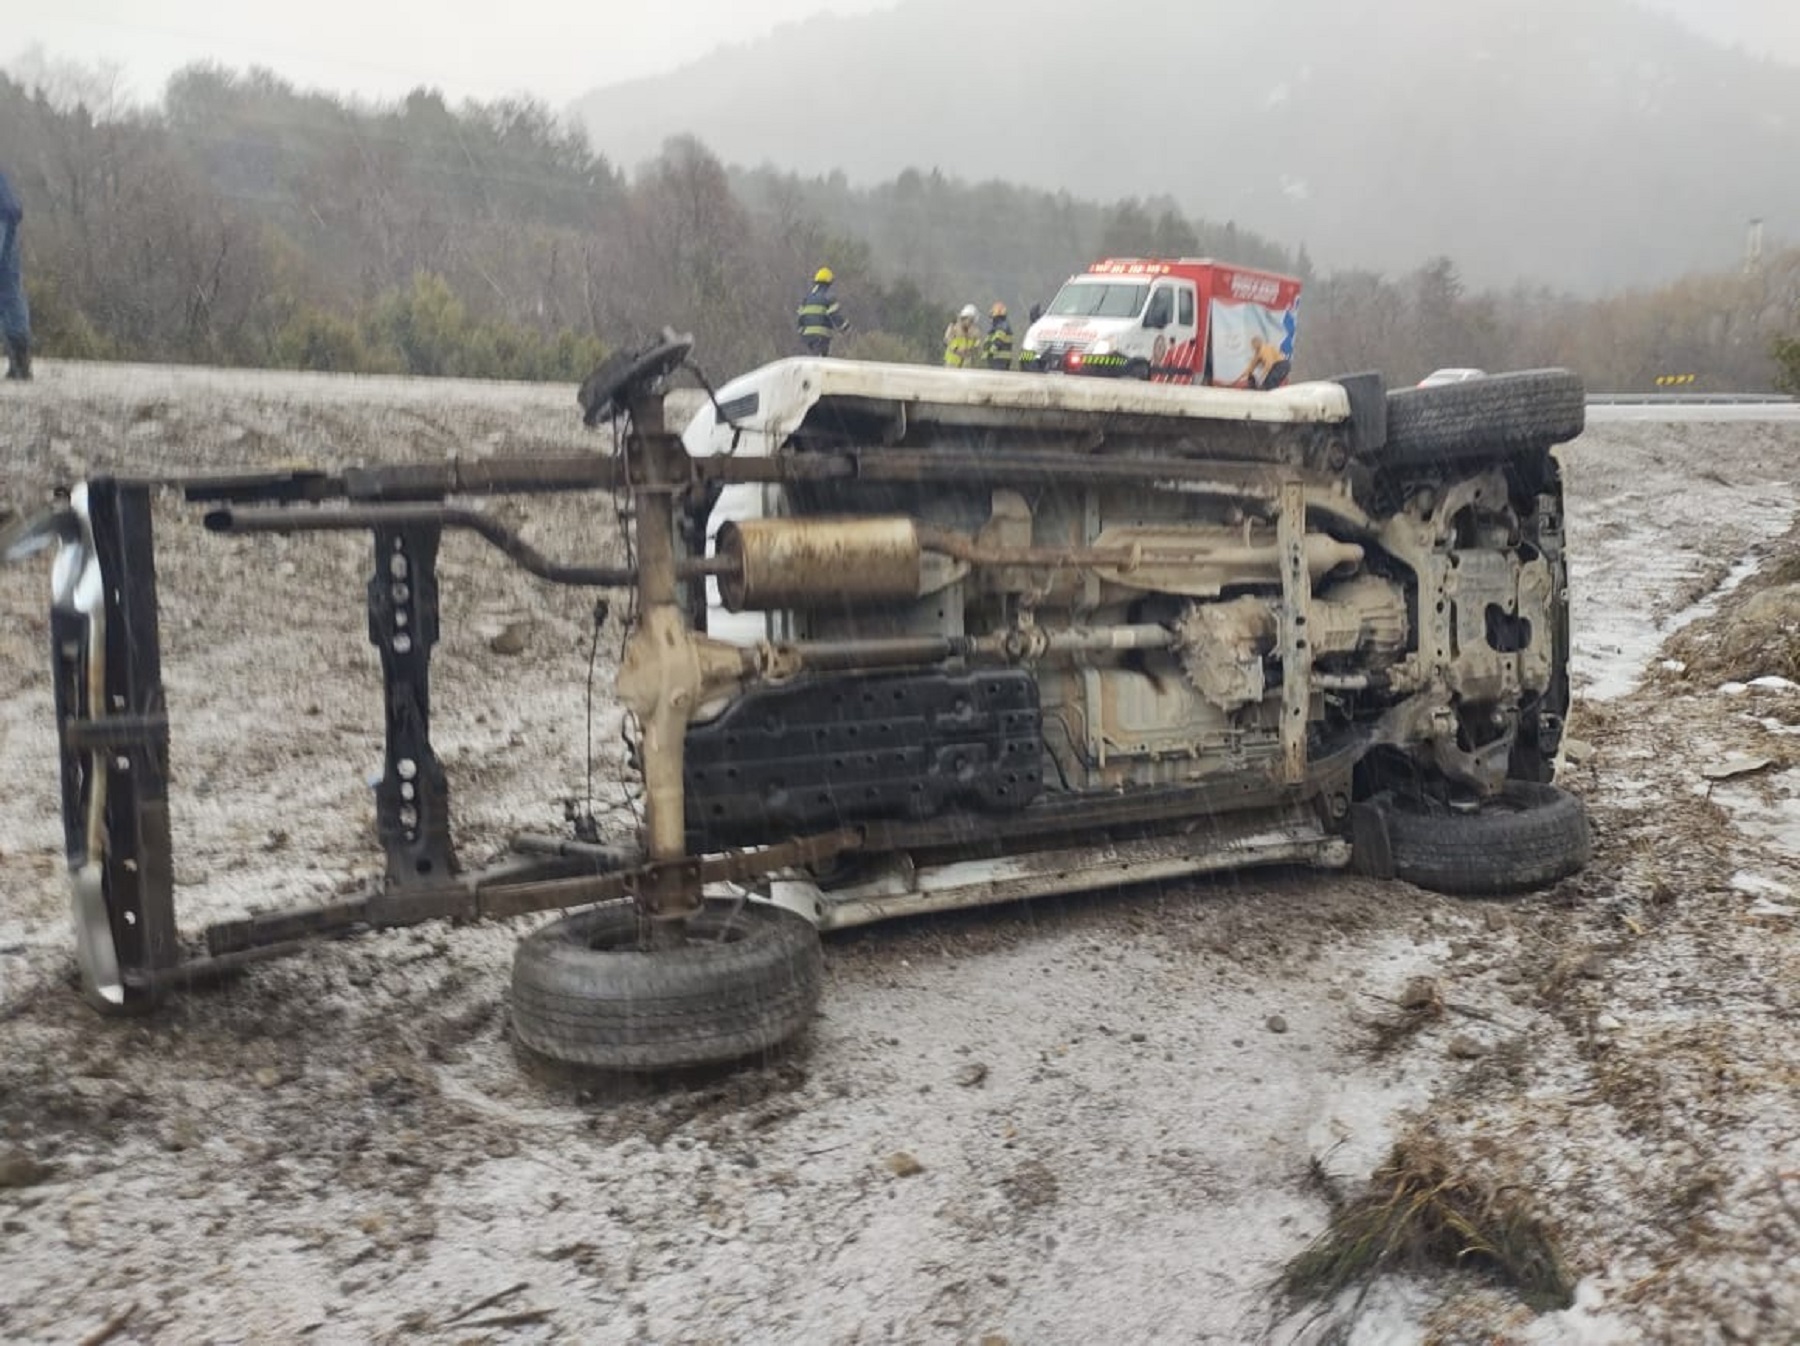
{"type": "Point", "coordinates": [823, 276]}
{"type": "Point", "coordinates": [998, 310]}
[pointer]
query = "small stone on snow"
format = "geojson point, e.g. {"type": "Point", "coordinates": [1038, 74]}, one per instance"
{"type": "Point", "coordinates": [1735, 764]}
{"type": "Point", "coordinates": [1421, 993]}
{"type": "Point", "coordinates": [903, 1165]}
{"type": "Point", "coordinates": [18, 1169]}
{"type": "Point", "coordinates": [1770, 683]}
{"type": "Point", "coordinates": [509, 639]}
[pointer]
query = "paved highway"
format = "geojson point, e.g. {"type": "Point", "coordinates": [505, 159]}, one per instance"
{"type": "Point", "coordinates": [1599, 413]}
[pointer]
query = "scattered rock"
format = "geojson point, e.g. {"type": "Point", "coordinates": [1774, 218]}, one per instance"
{"type": "Point", "coordinates": [1422, 993]}
{"type": "Point", "coordinates": [1464, 1047]}
{"type": "Point", "coordinates": [18, 1169]}
{"type": "Point", "coordinates": [510, 639]}
{"type": "Point", "coordinates": [267, 1077]}
{"type": "Point", "coordinates": [1276, 1024]}
{"type": "Point", "coordinates": [1735, 764]}
{"type": "Point", "coordinates": [1577, 750]}
{"type": "Point", "coordinates": [972, 1075]}
{"type": "Point", "coordinates": [903, 1165]}
{"type": "Point", "coordinates": [1032, 1184]}
{"type": "Point", "coordinates": [1497, 920]}
{"type": "Point", "coordinates": [1606, 1023]}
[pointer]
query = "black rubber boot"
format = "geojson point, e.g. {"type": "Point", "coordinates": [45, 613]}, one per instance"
{"type": "Point", "coordinates": [18, 355]}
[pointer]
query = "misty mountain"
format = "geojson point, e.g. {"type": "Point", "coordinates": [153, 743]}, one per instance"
{"type": "Point", "coordinates": [1592, 144]}
{"type": "Point", "coordinates": [1768, 28]}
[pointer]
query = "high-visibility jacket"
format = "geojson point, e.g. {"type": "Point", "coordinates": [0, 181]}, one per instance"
{"type": "Point", "coordinates": [1000, 344]}
{"type": "Point", "coordinates": [962, 346]}
{"type": "Point", "coordinates": [818, 314]}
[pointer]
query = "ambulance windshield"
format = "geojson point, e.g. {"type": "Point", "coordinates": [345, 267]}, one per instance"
{"type": "Point", "coordinates": [1099, 299]}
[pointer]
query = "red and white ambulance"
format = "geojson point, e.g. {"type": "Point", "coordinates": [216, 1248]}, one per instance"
{"type": "Point", "coordinates": [1184, 320]}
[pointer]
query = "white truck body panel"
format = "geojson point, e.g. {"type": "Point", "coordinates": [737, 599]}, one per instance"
{"type": "Point", "coordinates": [767, 405]}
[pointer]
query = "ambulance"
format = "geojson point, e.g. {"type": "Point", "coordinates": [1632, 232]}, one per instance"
{"type": "Point", "coordinates": [1186, 320]}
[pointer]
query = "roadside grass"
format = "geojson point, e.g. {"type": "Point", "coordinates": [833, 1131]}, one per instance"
{"type": "Point", "coordinates": [1755, 633]}
{"type": "Point", "coordinates": [1423, 1212]}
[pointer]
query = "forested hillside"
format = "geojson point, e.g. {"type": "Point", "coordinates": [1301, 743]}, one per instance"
{"type": "Point", "coordinates": [1590, 145]}
{"type": "Point", "coordinates": [242, 221]}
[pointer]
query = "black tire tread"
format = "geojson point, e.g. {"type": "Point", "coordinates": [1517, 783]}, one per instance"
{"type": "Point", "coordinates": [1502, 414]}
{"type": "Point", "coordinates": [705, 1003]}
{"type": "Point", "coordinates": [1536, 836]}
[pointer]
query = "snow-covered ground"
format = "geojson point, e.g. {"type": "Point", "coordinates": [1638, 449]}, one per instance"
{"type": "Point", "coordinates": [1111, 1103]}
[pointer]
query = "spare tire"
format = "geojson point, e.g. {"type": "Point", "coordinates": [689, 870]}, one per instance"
{"type": "Point", "coordinates": [747, 979]}
{"type": "Point", "coordinates": [1526, 838]}
{"type": "Point", "coordinates": [1498, 415]}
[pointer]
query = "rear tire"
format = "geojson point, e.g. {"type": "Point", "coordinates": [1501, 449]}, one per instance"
{"type": "Point", "coordinates": [747, 980]}
{"type": "Point", "coordinates": [1527, 838]}
{"type": "Point", "coordinates": [1502, 415]}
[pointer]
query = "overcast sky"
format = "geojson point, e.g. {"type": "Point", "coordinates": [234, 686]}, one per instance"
{"type": "Point", "coordinates": [556, 49]}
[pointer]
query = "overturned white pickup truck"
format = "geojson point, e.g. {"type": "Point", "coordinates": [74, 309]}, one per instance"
{"type": "Point", "coordinates": [905, 640]}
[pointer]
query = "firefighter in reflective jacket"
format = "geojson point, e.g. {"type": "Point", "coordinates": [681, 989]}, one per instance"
{"type": "Point", "coordinates": [818, 316]}
{"type": "Point", "coordinates": [999, 348]}
{"type": "Point", "coordinates": [962, 340]}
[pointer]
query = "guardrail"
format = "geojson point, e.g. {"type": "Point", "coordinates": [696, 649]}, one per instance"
{"type": "Point", "coordinates": [1683, 399]}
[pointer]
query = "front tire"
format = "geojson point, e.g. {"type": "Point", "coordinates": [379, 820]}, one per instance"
{"type": "Point", "coordinates": [747, 979]}
{"type": "Point", "coordinates": [1526, 838]}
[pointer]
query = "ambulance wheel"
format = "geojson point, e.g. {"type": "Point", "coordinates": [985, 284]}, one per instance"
{"type": "Point", "coordinates": [1137, 369]}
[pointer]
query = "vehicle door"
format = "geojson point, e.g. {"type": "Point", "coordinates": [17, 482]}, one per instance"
{"type": "Point", "coordinates": [1172, 316]}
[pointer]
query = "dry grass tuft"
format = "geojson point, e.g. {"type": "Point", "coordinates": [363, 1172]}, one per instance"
{"type": "Point", "coordinates": [1758, 637]}
{"type": "Point", "coordinates": [1422, 1213]}
{"type": "Point", "coordinates": [1421, 1004]}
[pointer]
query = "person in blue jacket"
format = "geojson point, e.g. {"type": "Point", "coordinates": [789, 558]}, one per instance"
{"type": "Point", "coordinates": [819, 318]}
{"type": "Point", "coordinates": [15, 316]}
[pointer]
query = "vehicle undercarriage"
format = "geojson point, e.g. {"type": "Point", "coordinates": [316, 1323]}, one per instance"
{"type": "Point", "coordinates": [973, 642]}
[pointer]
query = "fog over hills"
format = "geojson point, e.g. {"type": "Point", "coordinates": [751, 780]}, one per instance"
{"type": "Point", "coordinates": [1593, 144]}
{"type": "Point", "coordinates": [1768, 28]}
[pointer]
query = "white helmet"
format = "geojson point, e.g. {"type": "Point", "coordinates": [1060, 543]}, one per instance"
{"type": "Point", "coordinates": [969, 311]}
